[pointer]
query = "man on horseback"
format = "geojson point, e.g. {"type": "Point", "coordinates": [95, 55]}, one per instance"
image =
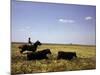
{"type": "Point", "coordinates": [30, 46]}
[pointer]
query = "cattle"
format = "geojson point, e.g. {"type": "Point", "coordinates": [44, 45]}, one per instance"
{"type": "Point", "coordinates": [38, 55]}
{"type": "Point", "coordinates": [32, 48]}
{"type": "Point", "coordinates": [66, 55]}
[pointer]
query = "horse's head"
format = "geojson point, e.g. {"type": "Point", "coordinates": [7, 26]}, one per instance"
{"type": "Point", "coordinates": [38, 43]}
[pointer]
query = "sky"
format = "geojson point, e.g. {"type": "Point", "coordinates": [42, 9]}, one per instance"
{"type": "Point", "coordinates": [53, 23]}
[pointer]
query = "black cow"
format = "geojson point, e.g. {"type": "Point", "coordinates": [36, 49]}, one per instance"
{"type": "Point", "coordinates": [66, 55]}
{"type": "Point", "coordinates": [38, 55]}
{"type": "Point", "coordinates": [32, 48]}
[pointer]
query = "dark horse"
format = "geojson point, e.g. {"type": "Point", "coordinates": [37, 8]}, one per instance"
{"type": "Point", "coordinates": [32, 48]}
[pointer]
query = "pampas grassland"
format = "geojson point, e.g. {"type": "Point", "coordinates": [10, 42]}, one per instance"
{"type": "Point", "coordinates": [86, 59]}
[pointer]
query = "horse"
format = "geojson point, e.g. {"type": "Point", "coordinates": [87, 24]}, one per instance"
{"type": "Point", "coordinates": [39, 55]}
{"type": "Point", "coordinates": [32, 48]}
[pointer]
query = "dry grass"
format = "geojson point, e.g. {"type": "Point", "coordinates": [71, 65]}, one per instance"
{"type": "Point", "coordinates": [86, 60]}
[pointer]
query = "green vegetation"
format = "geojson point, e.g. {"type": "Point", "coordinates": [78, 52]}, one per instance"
{"type": "Point", "coordinates": [86, 59]}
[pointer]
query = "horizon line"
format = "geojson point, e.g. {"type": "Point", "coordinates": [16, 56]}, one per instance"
{"type": "Point", "coordinates": [57, 43]}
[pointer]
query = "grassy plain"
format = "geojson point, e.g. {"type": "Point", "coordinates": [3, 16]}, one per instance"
{"type": "Point", "coordinates": [86, 59]}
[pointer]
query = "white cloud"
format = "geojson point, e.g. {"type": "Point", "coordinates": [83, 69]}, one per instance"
{"type": "Point", "coordinates": [88, 18]}
{"type": "Point", "coordinates": [66, 21]}
{"type": "Point", "coordinates": [22, 30]}
{"type": "Point", "coordinates": [27, 27]}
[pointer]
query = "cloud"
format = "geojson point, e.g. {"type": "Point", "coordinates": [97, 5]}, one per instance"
{"type": "Point", "coordinates": [88, 18]}
{"type": "Point", "coordinates": [27, 27]}
{"type": "Point", "coordinates": [24, 29]}
{"type": "Point", "coordinates": [66, 21]}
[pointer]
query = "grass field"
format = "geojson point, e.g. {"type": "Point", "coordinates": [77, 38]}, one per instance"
{"type": "Point", "coordinates": [86, 59]}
